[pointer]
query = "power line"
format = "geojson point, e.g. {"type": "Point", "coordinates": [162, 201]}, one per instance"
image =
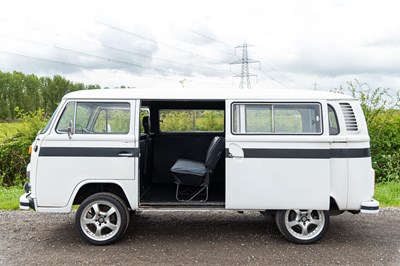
{"type": "Point", "coordinates": [201, 35]}
{"type": "Point", "coordinates": [283, 75]}
{"type": "Point", "coordinates": [61, 62]}
{"type": "Point", "coordinates": [225, 44]}
{"type": "Point", "coordinates": [277, 71]}
{"type": "Point", "coordinates": [46, 60]}
{"type": "Point", "coordinates": [154, 41]}
{"type": "Point", "coordinates": [86, 54]}
{"type": "Point", "coordinates": [274, 79]}
{"type": "Point", "coordinates": [269, 65]}
{"type": "Point", "coordinates": [114, 60]}
{"type": "Point", "coordinates": [211, 39]}
{"type": "Point", "coordinates": [247, 79]}
{"type": "Point", "coordinates": [115, 48]}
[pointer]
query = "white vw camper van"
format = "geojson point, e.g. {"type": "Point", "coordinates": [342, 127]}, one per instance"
{"type": "Point", "coordinates": [300, 155]}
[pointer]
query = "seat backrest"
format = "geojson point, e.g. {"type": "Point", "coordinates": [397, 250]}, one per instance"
{"type": "Point", "coordinates": [214, 152]}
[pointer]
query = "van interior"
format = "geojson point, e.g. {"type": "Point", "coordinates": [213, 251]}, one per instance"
{"type": "Point", "coordinates": [181, 130]}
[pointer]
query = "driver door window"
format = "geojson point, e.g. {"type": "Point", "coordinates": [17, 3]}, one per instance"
{"type": "Point", "coordinates": [95, 118]}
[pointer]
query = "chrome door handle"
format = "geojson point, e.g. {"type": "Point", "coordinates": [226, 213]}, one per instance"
{"type": "Point", "coordinates": [125, 154]}
{"type": "Point", "coordinates": [230, 155]}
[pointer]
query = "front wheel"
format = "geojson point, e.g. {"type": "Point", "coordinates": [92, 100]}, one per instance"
{"type": "Point", "coordinates": [302, 226]}
{"type": "Point", "coordinates": [102, 218]}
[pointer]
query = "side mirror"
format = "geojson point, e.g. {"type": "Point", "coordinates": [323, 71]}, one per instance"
{"type": "Point", "coordinates": [71, 130]}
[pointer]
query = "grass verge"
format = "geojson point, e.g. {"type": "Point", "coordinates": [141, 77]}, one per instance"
{"type": "Point", "coordinates": [388, 194]}
{"type": "Point", "coordinates": [9, 197]}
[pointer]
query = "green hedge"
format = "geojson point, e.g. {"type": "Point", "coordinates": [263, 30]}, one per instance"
{"type": "Point", "coordinates": [14, 149]}
{"type": "Point", "coordinates": [381, 108]}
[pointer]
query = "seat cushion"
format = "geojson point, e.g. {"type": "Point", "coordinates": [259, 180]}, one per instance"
{"type": "Point", "coordinates": [185, 166]}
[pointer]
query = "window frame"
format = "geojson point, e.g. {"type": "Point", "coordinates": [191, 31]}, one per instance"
{"type": "Point", "coordinates": [319, 104]}
{"type": "Point", "coordinates": [337, 120]}
{"type": "Point", "coordinates": [51, 121]}
{"type": "Point", "coordinates": [92, 117]}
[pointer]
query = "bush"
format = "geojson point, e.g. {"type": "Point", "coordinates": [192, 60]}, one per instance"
{"type": "Point", "coordinates": [387, 167]}
{"type": "Point", "coordinates": [381, 110]}
{"type": "Point", "coordinates": [14, 149]}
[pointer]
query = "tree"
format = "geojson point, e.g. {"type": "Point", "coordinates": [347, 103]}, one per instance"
{"type": "Point", "coordinates": [30, 92]}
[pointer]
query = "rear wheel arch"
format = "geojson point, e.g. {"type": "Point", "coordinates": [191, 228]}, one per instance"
{"type": "Point", "coordinates": [334, 207]}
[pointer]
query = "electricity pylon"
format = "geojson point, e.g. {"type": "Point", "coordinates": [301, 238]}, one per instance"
{"type": "Point", "coordinates": [245, 61]}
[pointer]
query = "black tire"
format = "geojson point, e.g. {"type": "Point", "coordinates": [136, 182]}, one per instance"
{"type": "Point", "coordinates": [302, 226]}
{"type": "Point", "coordinates": [102, 219]}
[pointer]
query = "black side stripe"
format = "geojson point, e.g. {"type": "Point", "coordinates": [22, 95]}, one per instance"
{"type": "Point", "coordinates": [87, 152]}
{"type": "Point", "coordinates": [370, 208]}
{"type": "Point", "coordinates": [305, 153]}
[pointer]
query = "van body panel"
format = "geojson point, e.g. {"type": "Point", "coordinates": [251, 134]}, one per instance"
{"type": "Point", "coordinates": [66, 161]}
{"type": "Point", "coordinates": [128, 187]}
{"type": "Point", "coordinates": [272, 171]}
{"type": "Point", "coordinates": [361, 182]}
{"type": "Point", "coordinates": [271, 181]}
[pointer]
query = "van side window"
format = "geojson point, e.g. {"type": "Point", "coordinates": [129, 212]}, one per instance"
{"type": "Point", "coordinates": [172, 120]}
{"type": "Point", "coordinates": [333, 121]}
{"type": "Point", "coordinates": [277, 118]}
{"type": "Point", "coordinates": [96, 118]}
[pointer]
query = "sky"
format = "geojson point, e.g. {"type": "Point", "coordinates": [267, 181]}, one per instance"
{"type": "Point", "coordinates": [299, 44]}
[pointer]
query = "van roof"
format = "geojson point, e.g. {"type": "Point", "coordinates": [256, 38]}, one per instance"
{"type": "Point", "coordinates": [206, 94]}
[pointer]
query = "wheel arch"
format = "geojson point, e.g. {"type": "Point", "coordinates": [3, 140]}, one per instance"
{"type": "Point", "coordinates": [334, 207]}
{"type": "Point", "coordinates": [88, 188]}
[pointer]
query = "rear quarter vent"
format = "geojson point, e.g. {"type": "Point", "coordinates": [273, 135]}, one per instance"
{"type": "Point", "coordinates": [349, 117]}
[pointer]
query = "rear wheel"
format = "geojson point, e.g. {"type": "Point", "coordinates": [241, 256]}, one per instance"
{"type": "Point", "coordinates": [302, 226]}
{"type": "Point", "coordinates": [102, 218]}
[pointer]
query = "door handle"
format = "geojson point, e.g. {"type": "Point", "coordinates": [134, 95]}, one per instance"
{"type": "Point", "coordinates": [123, 154]}
{"type": "Point", "coordinates": [230, 155]}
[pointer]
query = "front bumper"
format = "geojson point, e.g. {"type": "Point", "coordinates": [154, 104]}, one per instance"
{"type": "Point", "coordinates": [26, 202]}
{"type": "Point", "coordinates": [371, 206]}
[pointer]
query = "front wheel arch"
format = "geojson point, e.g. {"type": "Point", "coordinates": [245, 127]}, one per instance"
{"type": "Point", "coordinates": [90, 189]}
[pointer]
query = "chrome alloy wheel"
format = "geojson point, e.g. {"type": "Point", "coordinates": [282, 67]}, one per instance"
{"type": "Point", "coordinates": [304, 224]}
{"type": "Point", "coordinates": [100, 220]}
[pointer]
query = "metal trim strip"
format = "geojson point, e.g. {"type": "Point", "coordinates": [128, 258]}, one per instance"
{"type": "Point", "coordinates": [304, 153]}
{"type": "Point", "coordinates": [86, 152]}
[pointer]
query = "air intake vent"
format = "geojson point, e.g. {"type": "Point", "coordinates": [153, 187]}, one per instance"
{"type": "Point", "coordinates": [349, 117]}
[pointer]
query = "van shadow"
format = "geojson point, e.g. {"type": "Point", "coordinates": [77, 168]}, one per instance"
{"type": "Point", "coordinates": [168, 226]}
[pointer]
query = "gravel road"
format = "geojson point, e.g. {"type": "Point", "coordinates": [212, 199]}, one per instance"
{"type": "Point", "coordinates": [205, 237]}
